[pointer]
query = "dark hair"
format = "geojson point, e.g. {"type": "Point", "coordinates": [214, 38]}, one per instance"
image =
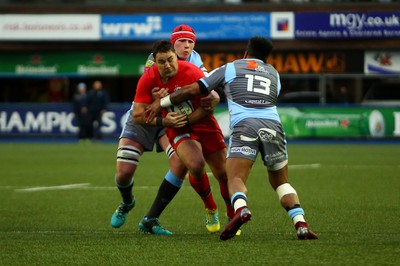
{"type": "Point", "coordinates": [259, 47]}
{"type": "Point", "coordinates": [162, 46]}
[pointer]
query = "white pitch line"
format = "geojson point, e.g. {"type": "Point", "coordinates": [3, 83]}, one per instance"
{"type": "Point", "coordinates": [305, 166]}
{"type": "Point", "coordinates": [64, 232]}
{"type": "Point", "coordinates": [115, 188]}
{"type": "Point", "coordinates": [62, 187]}
{"type": "Point", "coordinates": [84, 186]}
{"type": "Point", "coordinates": [87, 186]}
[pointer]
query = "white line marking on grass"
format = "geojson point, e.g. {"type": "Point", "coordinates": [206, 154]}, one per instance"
{"type": "Point", "coordinates": [7, 187]}
{"type": "Point", "coordinates": [83, 186]}
{"type": "Point", "coordinates": [305, 166]}
{"type": "Point", "coordinates": [114, 188]}
{"type": "Point", "coordinates": [66, 232]}
{"type": "Point", "coordinates": [62, 187]}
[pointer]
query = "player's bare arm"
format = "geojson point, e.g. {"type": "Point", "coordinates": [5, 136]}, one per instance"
{"type": "Point", "coordinates": [198, 115]}
{"type": "Point", "coordinates": [207, 104]}
{"type": "Point", "coordinates": [171, 120]}
{"type": "Point", "coordinates": [210, 101]}
{"type": "Point", "coordinates": [206, 110]}
{"type": "Point", "coordinates": [185, 93]}
{"type": "Point", "coordinates": [158, 93]}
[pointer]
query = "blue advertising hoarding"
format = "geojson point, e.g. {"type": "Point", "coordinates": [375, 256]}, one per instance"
{"type": "Point", "coordinates": [56, 120]}
{"type": "Point", "coordinates": [223, 26]}
{"type": "Point", "coordinates": [53, 120]}
{"type": "Point", "coordinates": [208, 26]}
{"type": "Point", "coordinates": [347, 25]}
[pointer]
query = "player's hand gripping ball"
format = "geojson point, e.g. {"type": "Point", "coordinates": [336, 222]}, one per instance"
{"type": "Point", "coordinates": [185, 108]}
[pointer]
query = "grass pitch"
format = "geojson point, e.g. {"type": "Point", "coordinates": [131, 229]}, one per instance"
{"type": "Point", "coordinates": [57, 200]}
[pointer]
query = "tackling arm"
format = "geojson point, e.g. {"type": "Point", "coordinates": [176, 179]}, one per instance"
{"type": "Point", "coordinates": [207, 104]}
{"type": "Point", "coordinates": [185, 93]}
{"type": "Point", "coordinates": [171, 120]}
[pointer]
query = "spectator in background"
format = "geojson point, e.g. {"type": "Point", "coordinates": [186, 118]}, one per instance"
{"type": "Point", "coordinates": [81, 111]}
{"type": "Point", "coordinates": [97, 100]}
{"type": "Point", "coordinates": [57, 90]}
{"type": "Point", "coordinates": [343, 95]}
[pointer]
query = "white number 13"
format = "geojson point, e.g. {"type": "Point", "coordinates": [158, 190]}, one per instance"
{"type": "Point", "coordinates": [263, 82]}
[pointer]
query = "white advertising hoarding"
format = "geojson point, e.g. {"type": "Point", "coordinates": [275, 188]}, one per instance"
{"type": "Point", "coordinates": [282, 25]}
{"type": "Point", "coordinates": [49, 27]}
{"type": "Point", "coordinates": [382, 62]}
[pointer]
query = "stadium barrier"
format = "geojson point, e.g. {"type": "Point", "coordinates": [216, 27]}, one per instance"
{"type": "Point", "coordinates": [56, 120]}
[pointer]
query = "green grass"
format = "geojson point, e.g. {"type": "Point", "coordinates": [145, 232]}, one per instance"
{"type": "Point", "coordinates": [351, 198]}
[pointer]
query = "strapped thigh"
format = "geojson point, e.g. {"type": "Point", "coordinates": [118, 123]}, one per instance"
{"type": "Point", "coordinates": [128, 154]}
{"type": "Point", "coordinates": [169, 151]}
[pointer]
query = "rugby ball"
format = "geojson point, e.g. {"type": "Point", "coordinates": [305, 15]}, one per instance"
{"type": "Point", "coordinates": [185, 108]}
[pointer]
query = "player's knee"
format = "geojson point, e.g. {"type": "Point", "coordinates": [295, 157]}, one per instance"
{"type": "Point", "coordinates": [284, 190]}
{"type": "Point", "coordinates": [220, 175]}
{"type": "Point", "coordinates": [277, 166]}
{"type": "Point", "coordinates": [174, 161]}
{"type": "Point", "coordinates": [124, 174]}
{"type": "Point", "coordinates": [177, 167]}
{"type": "Point", "coordinates": [196, 167]}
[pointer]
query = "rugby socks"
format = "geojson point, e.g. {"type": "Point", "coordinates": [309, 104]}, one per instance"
{"type": "Point", "coordinates": [296, 213]}
{"type": "Point", "coordinates": [230, 212]}
{"type": "Point", "coordinates": [239, 200]}
{"type": "Point", "coordinates": [203, 188]}
{"type": "Point", "coordinates": [166, 192]}
{"type": "Point", "coordinates": [126, 191]}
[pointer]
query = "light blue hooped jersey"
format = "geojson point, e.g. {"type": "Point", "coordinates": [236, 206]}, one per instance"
{"type": "Point", "coordinates": [251, 86]}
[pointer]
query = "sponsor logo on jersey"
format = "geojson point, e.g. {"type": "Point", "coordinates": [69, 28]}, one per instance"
{"type": "Point", "coordinates": [268, 135]}
{"type": "Point", "coordinates": [252, 64]}
{"type": "Point", "coordinates": [246, 150]}
{"type": "Point", "coordinates": [179, 137]}
{"type": "Point", "coordinates": [275, 156]}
